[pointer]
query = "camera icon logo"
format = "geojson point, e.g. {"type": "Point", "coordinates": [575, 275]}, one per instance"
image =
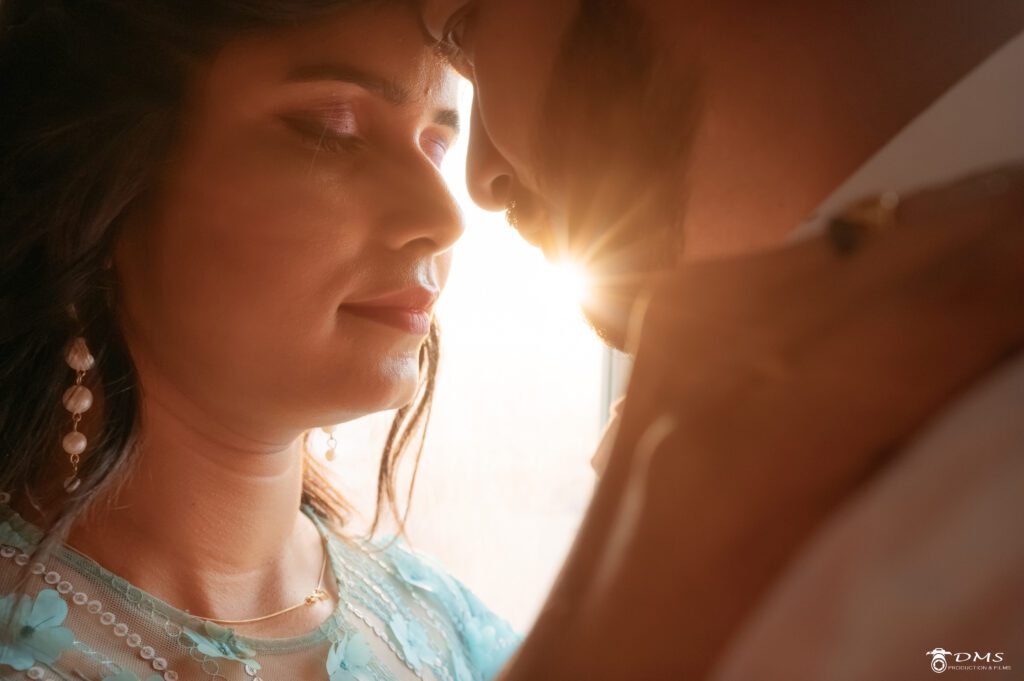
{"type": "Point", "coordinates": [939, 659]}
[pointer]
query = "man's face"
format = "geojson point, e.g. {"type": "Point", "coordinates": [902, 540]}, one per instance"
{"type": "Point", "coordinates": [578, 131]}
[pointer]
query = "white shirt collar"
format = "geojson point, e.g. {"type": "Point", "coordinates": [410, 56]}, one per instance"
{"type": "Point", "coordinates": [977, 124]}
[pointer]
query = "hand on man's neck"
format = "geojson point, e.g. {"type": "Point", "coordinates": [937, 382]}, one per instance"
{"type": "Point", "coordinates": [792, 108]}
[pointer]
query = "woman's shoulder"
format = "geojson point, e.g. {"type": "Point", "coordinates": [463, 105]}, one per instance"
{"type": "Point", "coordinates": [488, 639]}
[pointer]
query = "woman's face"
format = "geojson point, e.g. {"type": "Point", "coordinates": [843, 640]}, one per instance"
{"type": "Point", "coordinates": [287, 264]}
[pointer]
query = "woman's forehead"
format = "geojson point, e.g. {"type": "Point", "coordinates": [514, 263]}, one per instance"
{"type": "Point", "coordinates": [384, 42]}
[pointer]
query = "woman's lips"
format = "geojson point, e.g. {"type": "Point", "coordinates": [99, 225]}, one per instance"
{"type": "Point", "coordinates": [408, 310]}
{"type": "Point", "coordinates": [411, 321]}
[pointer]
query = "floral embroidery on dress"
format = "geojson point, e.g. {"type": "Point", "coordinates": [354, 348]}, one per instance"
{"type": "Point", "coordinates": [414, 572]}
{"type": "Point", "coordinates": [221, 642]}
{"type": "Point", "coordinates": [461, 669]}
{"type": "Point", "coordinates": [489, 644]}
{"type": "Point", "coordinates": [31, 631]}
{"type": "Point", "coordinates": [125, 675]}
{"type": "Point", "coordinates": [489, 640]}
{"type": "Point", "coordinates": [412, 637]}
{"type": "Point", "coordinates": [424, 616]}
{"type": "Point", "coordinates": [348, 659]}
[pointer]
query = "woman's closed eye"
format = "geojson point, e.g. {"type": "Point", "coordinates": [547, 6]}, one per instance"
{"type": "Point", "coordinates": [435, 147]}
{"type": "Point", "coordinates": [337, 130]}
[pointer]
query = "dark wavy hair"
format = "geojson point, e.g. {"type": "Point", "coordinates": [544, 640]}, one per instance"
{"type": "Point", "coordinates": [91, 95]}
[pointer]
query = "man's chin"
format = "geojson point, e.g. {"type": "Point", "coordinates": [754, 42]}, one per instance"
{"type": "Point", "coordinates": [612, 300]}
{"type": "Point", "coordinates": [609, 318]}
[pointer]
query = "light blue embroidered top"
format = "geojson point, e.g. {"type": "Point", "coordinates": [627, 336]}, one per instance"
{"type": "Point", "coordinates": [400, 616]}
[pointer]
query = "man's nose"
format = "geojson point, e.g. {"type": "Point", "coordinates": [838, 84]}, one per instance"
{"type": "Point", "coordinates": [489, 175]}
{"type": "Point", "coordinates": [420, 209]}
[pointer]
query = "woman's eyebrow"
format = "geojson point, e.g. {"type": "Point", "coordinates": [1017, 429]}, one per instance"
{"type": "Point", "coordinates": [448, 118]}
{"type": "Point", "coordinates": [389, 90]}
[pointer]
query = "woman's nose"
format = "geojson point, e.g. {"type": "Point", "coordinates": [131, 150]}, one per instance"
{"type": "Point", "coordinates": [489, 176]}
{"type": "Point", "coordinates": [419, 208]}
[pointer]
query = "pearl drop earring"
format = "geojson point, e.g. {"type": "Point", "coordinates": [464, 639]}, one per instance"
{"type": "Point", "coordinates": [332, 444]}
{"type": "Point", "coordinates": [77, 400]}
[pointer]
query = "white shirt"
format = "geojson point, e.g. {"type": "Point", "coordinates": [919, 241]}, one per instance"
{"type": "Point", "coordinates": [927, 561]}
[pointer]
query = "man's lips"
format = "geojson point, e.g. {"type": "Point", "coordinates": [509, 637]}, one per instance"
{"type": "Point", "coordinates": [408, 310]}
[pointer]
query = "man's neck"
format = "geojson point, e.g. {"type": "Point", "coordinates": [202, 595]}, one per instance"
{"type": "Point", "coordinates": [798, 95]}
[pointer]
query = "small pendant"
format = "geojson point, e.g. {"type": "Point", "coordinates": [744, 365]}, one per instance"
{"type": "Point", "coordinates": [329, 455]}
{"type": "Point", "coordinates": [71, 483]}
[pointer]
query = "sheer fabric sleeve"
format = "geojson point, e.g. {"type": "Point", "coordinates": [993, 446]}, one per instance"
{"type": "Point", "coordinates": [487, 640]}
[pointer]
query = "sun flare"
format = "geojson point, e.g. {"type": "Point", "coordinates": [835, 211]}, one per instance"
{"type": "Point", "coordinates": [571, 281]}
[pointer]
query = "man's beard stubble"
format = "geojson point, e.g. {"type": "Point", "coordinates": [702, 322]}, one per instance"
{"type": "Point", "coordinates": [616, 128]}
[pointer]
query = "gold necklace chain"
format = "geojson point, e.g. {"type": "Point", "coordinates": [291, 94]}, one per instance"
{"type": "Point", "coordinates": [318, 594]}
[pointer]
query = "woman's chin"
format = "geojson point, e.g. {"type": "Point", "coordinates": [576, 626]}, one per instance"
{"type": "Point", "coordinates": [389, 386]}
{"type": "Point", "coordinates": [402, 395]}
